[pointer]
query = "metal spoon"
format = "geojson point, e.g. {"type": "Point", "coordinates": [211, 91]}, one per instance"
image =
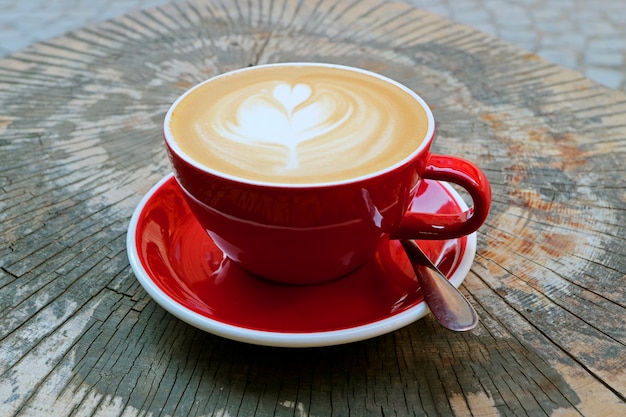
{"type": "Point", "coordinates": [446, 303]}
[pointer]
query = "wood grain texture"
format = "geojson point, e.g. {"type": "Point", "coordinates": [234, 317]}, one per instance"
{"type": "Point", "coordinates": [80, 144]}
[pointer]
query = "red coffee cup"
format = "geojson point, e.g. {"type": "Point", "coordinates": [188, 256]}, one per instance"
{"type": "Point", "coordinates": [307, 233]}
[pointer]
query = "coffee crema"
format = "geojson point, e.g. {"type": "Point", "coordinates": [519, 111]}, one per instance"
{"type": "Point", "coordinates": [298, 124]}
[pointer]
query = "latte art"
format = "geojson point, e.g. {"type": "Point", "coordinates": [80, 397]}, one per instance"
{"type": "Point", "coordinates": [286, 118]}
{"type": "Point", "coordinates": [298, 124]}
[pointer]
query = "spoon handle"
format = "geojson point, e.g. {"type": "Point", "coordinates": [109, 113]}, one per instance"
{"type": "Point", "coordinates": [445, 301]}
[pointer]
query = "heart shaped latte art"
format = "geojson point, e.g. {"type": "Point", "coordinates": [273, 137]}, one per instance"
{"type": "Point", "coordinates": [287, 117]}
{"type": "Point", "coordinates": [291, 97]}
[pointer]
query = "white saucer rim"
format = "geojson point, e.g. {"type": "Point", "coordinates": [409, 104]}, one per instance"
{"type": "Point", "coordinates": [285, 339]}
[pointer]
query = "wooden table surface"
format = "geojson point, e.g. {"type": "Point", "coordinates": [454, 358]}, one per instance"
{"type": "Point", "coordinates": [80, 144]}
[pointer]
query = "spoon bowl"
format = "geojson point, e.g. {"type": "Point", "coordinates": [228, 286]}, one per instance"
{"type": "Point", "coordinates": [446, 303]}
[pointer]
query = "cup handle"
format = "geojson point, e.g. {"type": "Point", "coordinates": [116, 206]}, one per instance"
{"type": "Point", "coordinates": [449, 226]}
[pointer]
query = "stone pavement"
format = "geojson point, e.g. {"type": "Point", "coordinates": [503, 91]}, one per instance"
{"type": "Point", "coordinates": [585, 35]}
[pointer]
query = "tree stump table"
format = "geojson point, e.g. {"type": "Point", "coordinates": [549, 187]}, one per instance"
{"type": "Point", "coordinates": [80, 144]}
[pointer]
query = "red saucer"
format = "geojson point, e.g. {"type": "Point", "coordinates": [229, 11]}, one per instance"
{"type": "Point", "coordinates": [180, 267]}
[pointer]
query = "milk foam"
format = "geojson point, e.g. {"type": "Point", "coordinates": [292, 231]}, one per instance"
{"type": "Point", "coordinates": [299, 126]}
{"type": "Point", "coordinates": [287, 118]}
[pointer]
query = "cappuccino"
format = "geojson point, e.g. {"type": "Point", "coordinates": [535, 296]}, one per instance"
{"type": "Point", "coordinates": [299, 124]}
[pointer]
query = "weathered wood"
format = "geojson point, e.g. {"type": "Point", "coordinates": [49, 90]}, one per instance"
{"type": "Point", "coordinates": [80, 144]}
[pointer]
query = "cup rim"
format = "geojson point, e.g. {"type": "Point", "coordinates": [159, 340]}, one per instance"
{"type": "Point", "coordinates": [425, 143]}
